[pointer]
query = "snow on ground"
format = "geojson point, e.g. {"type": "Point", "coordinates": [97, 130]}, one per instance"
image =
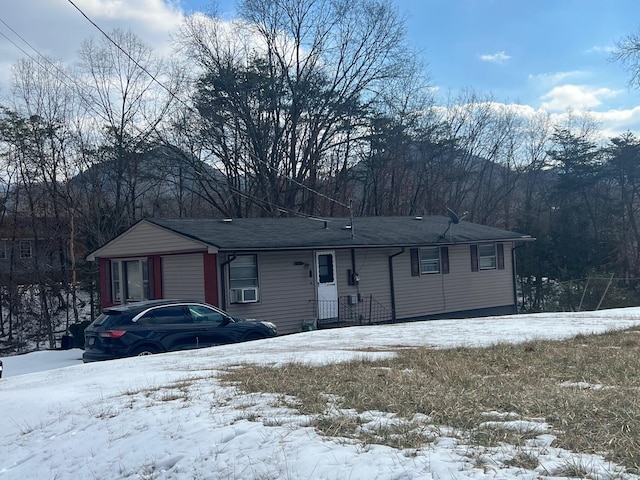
{"type": "Point", "coordinates": [131, 418]}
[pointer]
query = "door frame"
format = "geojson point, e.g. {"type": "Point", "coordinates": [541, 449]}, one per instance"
{"type": "Point", "coordinates": [326, 291]}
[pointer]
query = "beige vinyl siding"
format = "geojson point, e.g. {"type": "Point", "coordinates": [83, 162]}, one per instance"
{"type": "Point", "coordinates": [372, 265]}
{"type": "Point", "coordinates": [343, 265]}
{"type": "Point", "coordinates": [148, 239]}
{"type": "Point", "coordinates": [373, 268]}
{"type": "Point", "coordinates": [468, 290]}
{"type": "Point", "coordinates": [183, 276]}
{"type": "Point", "coordinates": [286, 291]}
{"type": "Point", "coordinates": [417, 296]}
{"type": "Point", "coordinates": [459, 290]}
{"type": "Point", "coordinates": [428, 294]}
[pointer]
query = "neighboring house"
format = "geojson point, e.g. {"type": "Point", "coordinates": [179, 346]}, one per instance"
{"type": "Point", "coordinates": [298, 272]}
{"type": "Point", "coordinates": [30, 250]}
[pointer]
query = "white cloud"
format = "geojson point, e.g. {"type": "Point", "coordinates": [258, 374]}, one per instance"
{"type": "Point", "coordinates": [610, 123]}
{"type": "Point", "coordinates": [606, 49]}
{"type": "Point", "coordinates": [576, 97]}
{"type": "Point", "coordinates": [616, 122]}
{"type": "Point", "coordinates": [554, 78]}
{"type": "Point", "coordinates": [56, 29]}
{"type": "Point", "coordinates": [133, 10]}
{"type": "Point", "coordinates": [499, 57]}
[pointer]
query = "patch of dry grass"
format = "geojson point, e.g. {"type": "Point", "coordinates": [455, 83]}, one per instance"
{"type": "Point", "coordinates": [586, 388]}
{"type": "Point", "coordinates": [177, 390]}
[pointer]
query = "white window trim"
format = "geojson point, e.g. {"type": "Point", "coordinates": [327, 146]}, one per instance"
{"type": "Point", "coordinates": [118, 292]}
{"type": "Point", "coordinates": [493, 257]}
{"type": "Point", "coordinates": [256, 283]}
{"type": "Point", "coordinates": [423, 262]}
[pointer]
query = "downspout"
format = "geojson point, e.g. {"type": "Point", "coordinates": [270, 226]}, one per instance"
{"type": "Point", "coordinates": [391, 285]}
{"type": "Point", "coordinates": [354, 274]}
{"type": "Point", "coordinates": [223, 283]}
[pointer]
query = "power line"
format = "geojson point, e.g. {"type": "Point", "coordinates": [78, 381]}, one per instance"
{"type": "Point", "coordinates": [141, 67]}
{"type": "Point", "coordinates": [40, 55]}
{"type": "Point", "coordinates": [173, 95]}
{"type": "Point", "coordinates": [35, 60]}
{"type": "Point", "coordinates": [62, 75]}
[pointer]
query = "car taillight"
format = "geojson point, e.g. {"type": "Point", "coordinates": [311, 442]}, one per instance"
{"type": "Point", "coordinates": [112, 333]}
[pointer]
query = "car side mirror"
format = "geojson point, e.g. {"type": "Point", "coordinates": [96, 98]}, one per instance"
{"type": "Point", "coordinates": [226, 320]}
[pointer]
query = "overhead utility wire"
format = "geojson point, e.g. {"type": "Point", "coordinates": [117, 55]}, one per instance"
{"type": "Point", "coordinates": [63, 75]}
{"type": "Point", "coordinates": [76, 84]}
{"type": "Point", "coordinates": [30, 46]}
{"type": "Point", "coordinates": [173, 95]}
{"type": "Point", "coordinates": [40, 55]}
{"type": "Point", "coordinates": [126, 53]}
{"type": "Point", "coordinates": [304, 186]}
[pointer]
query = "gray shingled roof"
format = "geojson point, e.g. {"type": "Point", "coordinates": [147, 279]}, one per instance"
{"type": "Point", "coordinates": [303, 233]}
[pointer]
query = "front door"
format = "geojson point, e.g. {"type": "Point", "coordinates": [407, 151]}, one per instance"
{"type": "Point", "coordinates": [327, 284]}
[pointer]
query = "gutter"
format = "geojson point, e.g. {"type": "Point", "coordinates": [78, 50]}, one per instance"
{"type": "Point", "coordinates": [391, 285]}
{"type": "Point", "coordinates": [341, 246]}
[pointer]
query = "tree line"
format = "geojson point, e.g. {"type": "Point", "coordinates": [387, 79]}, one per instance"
{"type": "Point", "coordinates": [297, 107]}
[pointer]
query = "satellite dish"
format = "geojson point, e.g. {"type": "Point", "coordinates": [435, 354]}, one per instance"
{"type": "Point", "coordinates": [453, 219]}
{"type": "Point", "coordinates": [452, 215]}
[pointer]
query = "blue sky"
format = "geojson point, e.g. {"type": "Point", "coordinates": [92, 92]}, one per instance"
{"type": "Point", "coordinates": [544, 54]}
{"type": "Point", "coordinates": [509, 47]}
{"type": "Point", "coordinates": [519, 49]}
{"type": "Point", "coordinates": [548, 54]}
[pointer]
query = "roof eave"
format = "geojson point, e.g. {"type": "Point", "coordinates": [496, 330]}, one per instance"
{"type": "Point", "coordinates": [230, 249]}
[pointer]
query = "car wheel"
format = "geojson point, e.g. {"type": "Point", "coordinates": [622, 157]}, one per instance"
{"type": "Point", "coordinates": [145, 350]}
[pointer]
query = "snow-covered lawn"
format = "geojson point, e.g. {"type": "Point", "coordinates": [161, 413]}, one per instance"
{"type": "Point", "coordinates": [168, 417]}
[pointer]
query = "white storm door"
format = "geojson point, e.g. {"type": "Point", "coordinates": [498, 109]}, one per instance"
{"type": "Point", "coordinates": [327, 284]}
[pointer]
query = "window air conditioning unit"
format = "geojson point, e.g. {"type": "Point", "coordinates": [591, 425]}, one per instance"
{"type": "Point", "coordinates": [244, 295]}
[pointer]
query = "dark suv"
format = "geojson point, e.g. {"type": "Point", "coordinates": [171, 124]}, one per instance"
{"type": "Point", "coordinates": [155, 326]}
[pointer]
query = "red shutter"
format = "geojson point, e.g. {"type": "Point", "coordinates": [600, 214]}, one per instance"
{"type": "Point", "coordinates": [106, 298]}
{"type": "Point", "coordinates": [444, 255]}
{"type": "Point", "coordinates": [474, 258]}
{"type": "Point", "coordinates": [154, 263]}
{"type": "Point", "coordinates": [415, 262]}
{"type": "Point", "coordinates": [151, 279]}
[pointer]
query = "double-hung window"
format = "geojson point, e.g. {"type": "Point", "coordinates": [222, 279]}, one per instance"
{"type": "Point", "coordinates": [430, 260]}
{"type": "Point", "coordinates": [243, 279]}
{"type": "Point", "coordinates": [129, 280]}
{"type": "Point", "coordinates": [487, 256]}
{"type": "Point", "coordinates": [243, 272]}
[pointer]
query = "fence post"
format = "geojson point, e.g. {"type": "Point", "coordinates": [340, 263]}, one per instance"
{"type": "Point", "coordinates": [583, 293]}
{"type": "Point", "coordinates": [605, 292]}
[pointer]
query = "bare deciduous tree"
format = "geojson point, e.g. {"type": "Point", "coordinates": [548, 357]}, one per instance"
{"type": "Point", "coordinates": [40, 129]}
{"type": "Point", "coordinates": [127, 94]}
{"type": "Point", "coordinates": [285, 90]}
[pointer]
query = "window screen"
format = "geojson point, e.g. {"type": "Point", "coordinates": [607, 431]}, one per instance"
{"type": "Point", "coordinates": [430, 260]}
{"type": "Point", "coordinates": [243, 272]}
